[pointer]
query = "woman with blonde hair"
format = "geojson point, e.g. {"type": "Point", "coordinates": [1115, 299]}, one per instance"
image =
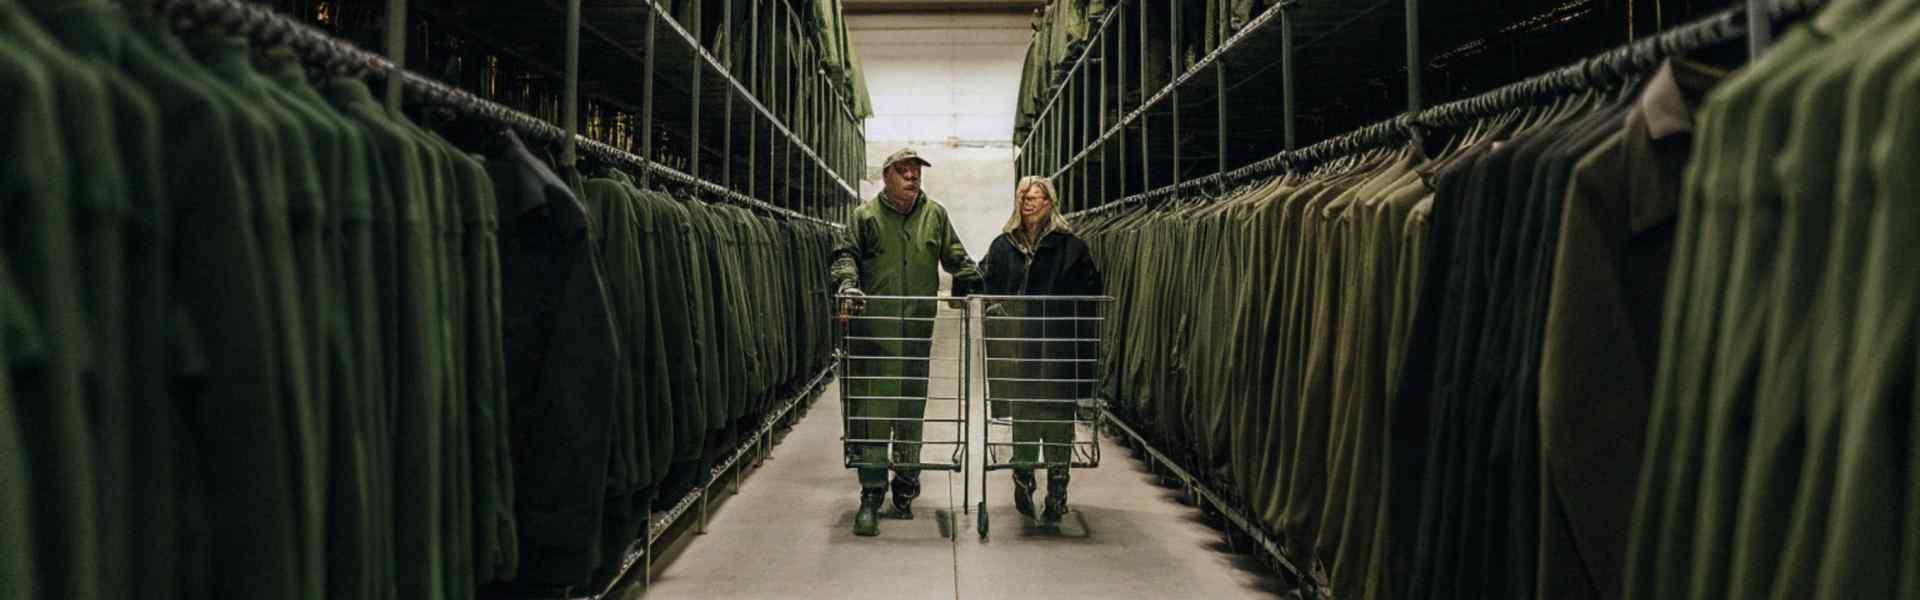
{"type": "Point", "coordinates": [1037, 254]}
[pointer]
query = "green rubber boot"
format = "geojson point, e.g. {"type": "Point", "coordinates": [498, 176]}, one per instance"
{"type": "Point", "coordinates": [866, 522]}
{"type": "Point", "coordinates": [1023, 486]}
{"type": "Point", "coordinates": [1056, 496]}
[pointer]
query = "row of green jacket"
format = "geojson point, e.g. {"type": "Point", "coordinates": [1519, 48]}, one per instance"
{"type": "Point", "coordinates": [265, 338]}
{"type": "Point", "coordinates": [1425, 375]}
{"type": "Point", "coordinates": [725, 313]}
{"type": "Point", "coordinates": [1780, 448]}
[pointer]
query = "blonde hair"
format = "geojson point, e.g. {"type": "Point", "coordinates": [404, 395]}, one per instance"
{"type": "Point", "coordinates": [1059, 223]}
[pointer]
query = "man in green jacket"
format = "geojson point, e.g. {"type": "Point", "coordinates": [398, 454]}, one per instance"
{"type": "Point", "coordinates": [891, 249]}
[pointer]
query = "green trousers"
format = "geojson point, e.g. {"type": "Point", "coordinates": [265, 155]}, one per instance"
{"type": "Point", "coordinates": [887, 390]}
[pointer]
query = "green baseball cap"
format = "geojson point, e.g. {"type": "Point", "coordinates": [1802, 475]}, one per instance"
{"type": "Point", "coordinates": [904, 154]}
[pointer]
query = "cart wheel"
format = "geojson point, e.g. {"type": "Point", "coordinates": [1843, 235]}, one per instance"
{"type": "Point", "coordinates": [982, 511]}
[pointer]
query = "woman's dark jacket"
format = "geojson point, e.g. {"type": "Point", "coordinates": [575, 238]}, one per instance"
{"type": "Point", "coordinates": [1060, 265]}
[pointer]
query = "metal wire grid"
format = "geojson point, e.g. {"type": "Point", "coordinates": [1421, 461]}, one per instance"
{"type": "Point", "coordinates": [904, 404]}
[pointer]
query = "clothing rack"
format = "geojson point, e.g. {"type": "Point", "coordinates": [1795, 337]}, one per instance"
{"type": "Point", "coordinates": [1608, 70]}
{"type": "Point", "coordinates": [318, 48]}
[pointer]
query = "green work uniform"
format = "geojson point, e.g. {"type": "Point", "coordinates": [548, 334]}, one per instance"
{"type": "Point", "coordinates": [887, 253]}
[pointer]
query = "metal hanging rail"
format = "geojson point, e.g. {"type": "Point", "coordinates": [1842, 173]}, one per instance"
{"type": "Point", "coordinates": [1607, 70]}
{"type": "Point", "coordinates": [758, 446]}
{"type": "Point", "coordinates": [641, 552]}
{"type": "Point", "coordinates": [319, 48]}
{"type": "Point", "coordinates": [1200, 493]}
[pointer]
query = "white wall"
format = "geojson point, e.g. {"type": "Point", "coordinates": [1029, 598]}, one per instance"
{"type": "Point", "coordinates": [944, 84]}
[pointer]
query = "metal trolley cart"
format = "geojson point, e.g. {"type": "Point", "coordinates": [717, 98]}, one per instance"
{"type": "Point", "coordinates": [904, 403]}
{"type": "Point", "coordinates": [1042, 368]}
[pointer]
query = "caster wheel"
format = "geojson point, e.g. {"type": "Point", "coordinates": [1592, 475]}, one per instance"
{"type": "Point", "coordinates": [982, 520]}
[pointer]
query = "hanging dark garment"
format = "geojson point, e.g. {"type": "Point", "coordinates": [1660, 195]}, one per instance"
{"type": "Point", "coordinates": [562, 363]}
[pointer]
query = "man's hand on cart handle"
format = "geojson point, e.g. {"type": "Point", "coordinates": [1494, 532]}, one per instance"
{"type": "Point", "coordinates": [852, 301]}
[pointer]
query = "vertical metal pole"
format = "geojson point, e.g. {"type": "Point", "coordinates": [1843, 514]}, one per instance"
{"type": "Point", "coordinates": [1413, 56]}
{"type": "Point", "coordinates": [1173, 99]}
{"type": "Point", "coordinates": [571, 112]}
{"type": "Point", "coordinates": [1220, 92]}
{"type": "Point", "coordinates": [397, 50]}
{"type": "Point", "coordinates": [646, 97]}
{"type": "Point", "coordinates": [1286, 72]}
{"type": "Point", "coordinates": [1146, 142]}
{"type": "Point", "coordinates": [753, 83]}
{"type": "Point", "coordinates": [726, 129]}
{"type": "Point", "coordinates": [693, 159]}
{"type": "Point", "coordinates": [809, 108]}
{"type": "Point", "coordinates": [966, 408]}
{"type": "Point", "coordinates": [1106, 86]}
{"type": "Point", "coordinates": [787, 95]}
{"type": "Point", "coordinates": [1088, 120]}
{"type": "Point", "coordinates": [1220, 114]}
{"type": "Point", "coordinates": [822, 85]}
{"type": "Point", "coordinates": [774, 175]}
{"type": "Point", "coordinates": [1120, 95]}
{"type": "Point", "coordinates": [1759, 28]}
{"type": "Point", "coordinates": [703, 493]}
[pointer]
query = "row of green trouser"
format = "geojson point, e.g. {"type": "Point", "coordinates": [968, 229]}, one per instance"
{"type": "Point", "coordinates": [245, 285]}
{"type": "Point", "coordinates": [719, 313]}
{"type": "Point", "coordinates": [1271, 391]}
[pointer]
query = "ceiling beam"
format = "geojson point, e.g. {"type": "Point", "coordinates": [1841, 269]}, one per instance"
{"type": "Point", "coordinates": [869, 7]}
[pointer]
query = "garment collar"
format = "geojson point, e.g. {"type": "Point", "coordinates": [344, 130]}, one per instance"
{"type": "Point", "coordinates": [1674, 93]}
{"type": "Point", "coordinates": [886, 203]}
{"type": "Point", "coordinates": [1018, 235]}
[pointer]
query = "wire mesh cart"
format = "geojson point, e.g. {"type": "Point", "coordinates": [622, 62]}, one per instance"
{"type": "Point", "coordinates": [1041, 357]}
{"type": "Point", "coordinates": [904, 401]}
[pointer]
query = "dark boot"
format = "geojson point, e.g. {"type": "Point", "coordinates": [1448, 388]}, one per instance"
{"type": "Point", "coordinates": [1023, 486]}
{"type": "Point", "coordinates": [906, 487]}
{"type": "Point", "coordinates": [1056, 495]}
{"type": "Point", "coordinates": [866, 522]}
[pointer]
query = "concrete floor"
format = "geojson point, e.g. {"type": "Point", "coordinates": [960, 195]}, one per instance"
{"type": "Point", "coordinates": [788, 534]}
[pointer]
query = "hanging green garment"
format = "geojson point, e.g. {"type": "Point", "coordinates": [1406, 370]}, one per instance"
{"type": "Point", "coordinates": [22, 342]}
{"type": "Point", "coordinates": [709, 338]}
{"type": "Point", "coordinates": [289, 196]}
{"type": "Point", "coordinates": [493, 521]}
{"type": "Point", "coordinates": [862, 98]}
{"type": "Point", "coordinates": [1842, 202]}
{"type": "Point", "coordinates": [637, 420]}
{"type": "Point", "coordinates": [113, 274]}
{"type": "Point", "coordinates": [402, 251]}
{"type": "Point", "coordinates": [43, 246]}
{"type": "Point", "coordinates": [686, 253]}
{"type": "Point", "coordinates": [349, 332]}
{"type": "Point", "coordinates": [461, 175]}
{"type": "Point", "coordinates": [389, 172]}
{"type": "Point", "coordinates": [239, 473]}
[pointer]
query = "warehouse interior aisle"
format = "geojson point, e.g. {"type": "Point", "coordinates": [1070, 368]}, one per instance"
{"type": "Point", "coordinates": [789, 534]}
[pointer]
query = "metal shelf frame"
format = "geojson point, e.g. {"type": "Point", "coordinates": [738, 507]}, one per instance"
{"type": "Point", "coordinates": [787, 150]}
{"type": "Point", "coordinates": [1134, 113]}
{"type": "Point", "coordinates": [788, 103]}
{"type": "Point", "coordinates": [1606, 70]}
{"type": "Point", "coordinates": [1174, 130]}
